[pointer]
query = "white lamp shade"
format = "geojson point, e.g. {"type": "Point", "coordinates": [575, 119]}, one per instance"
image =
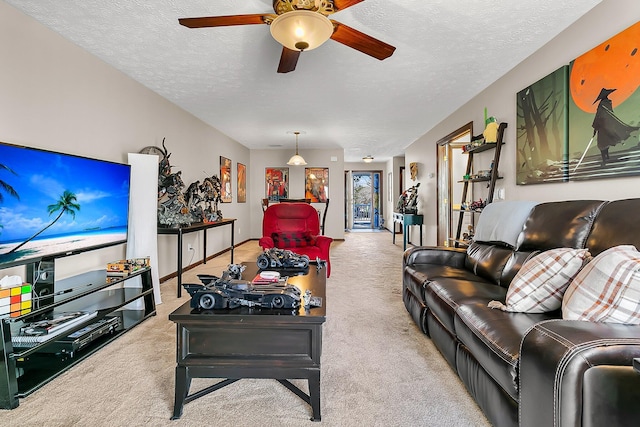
{"type": "Point", "coordinates": [301, 29]}
{"type": "Point", "coordinates": [296, 160]}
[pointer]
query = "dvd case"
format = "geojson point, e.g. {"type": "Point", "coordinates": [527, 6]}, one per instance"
{"type": "Point", "coordinates": [42, 330]}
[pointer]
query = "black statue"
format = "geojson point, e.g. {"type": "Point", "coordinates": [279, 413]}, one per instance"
{"type": "Point", "coordinates": [408, 201]}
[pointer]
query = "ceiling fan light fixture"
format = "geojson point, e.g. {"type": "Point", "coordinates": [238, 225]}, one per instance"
{"type": "Point", "coordinates": [367, 159]}
{"type": "Point", "coordinates": [296, 159]}
{"type": "Point", "coordinates": [301, 29]}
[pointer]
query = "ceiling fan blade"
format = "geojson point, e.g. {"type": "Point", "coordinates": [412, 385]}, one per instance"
{"type": "Point", "coordinates": [343, 4]}
{"type": "Point", "coordinates": [223, 21]}
{"type": "Point", "coordinates": [288, 60]}
{"type": "Point", "coordinates": [360, 41]}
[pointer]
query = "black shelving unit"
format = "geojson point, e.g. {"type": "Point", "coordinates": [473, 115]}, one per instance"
{"type": "Point", "coordinates": [23, 370]}
{"type": "Point", "coordinates": [491, 180]}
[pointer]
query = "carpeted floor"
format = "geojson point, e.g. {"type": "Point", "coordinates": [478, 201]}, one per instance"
{"type": "Point", "coordinates": [378, 369]}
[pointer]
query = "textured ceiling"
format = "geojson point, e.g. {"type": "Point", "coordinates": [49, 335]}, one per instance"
{"type": "Point", "coordinates": [338, 96]}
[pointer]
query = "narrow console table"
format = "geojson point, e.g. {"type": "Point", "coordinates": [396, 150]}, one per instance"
{"type": "Point", "coordinates": [202, 226]}
{"type": "Point", "coordinates": [406, 220]}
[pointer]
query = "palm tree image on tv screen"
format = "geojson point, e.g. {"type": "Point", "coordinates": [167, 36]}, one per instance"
{"type": "Point", "coordinates": [67, 203]}
{"type": "Point", "coordinates": [54, 204]}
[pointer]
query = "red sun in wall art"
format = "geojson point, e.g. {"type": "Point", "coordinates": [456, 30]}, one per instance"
{"type": "Point", "coordinates": [612, 64]}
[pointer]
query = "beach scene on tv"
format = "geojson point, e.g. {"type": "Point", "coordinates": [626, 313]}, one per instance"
{"type": "Point", "coordinates": [56, 204]}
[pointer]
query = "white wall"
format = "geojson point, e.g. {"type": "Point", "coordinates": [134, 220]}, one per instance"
{"type": "Point", "coordinates": [59, 97]}
{"type": "Point", "coordinates": [261, 159]}
{"type": "Point", "coordinates": [604, 21]}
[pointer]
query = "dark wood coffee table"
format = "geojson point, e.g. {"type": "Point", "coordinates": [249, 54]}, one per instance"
{"type": "Point", "coordinates": [252, 343]}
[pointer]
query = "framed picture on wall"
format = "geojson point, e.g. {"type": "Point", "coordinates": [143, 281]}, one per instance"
{"type": "Point", "coordinates": [542, 123]}
{"type": "Point", "coordinates": [242, 183]}
{"type": "Point", "coordinates": [603, 107]}
{"type": "Point", "coordinates": [316, 184]}
{"type": "Point", "coordinates": [225, 179]}
{"type": "Point", "coordinates": [276, 183]}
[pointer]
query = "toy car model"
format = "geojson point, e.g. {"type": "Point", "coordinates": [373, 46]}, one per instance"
{"type": "Point", "coordinates": [235, 270]}
{"type": "Point", "coordinates": [282, 258]}
{"type": "Point", "coordinates": [223, 292]}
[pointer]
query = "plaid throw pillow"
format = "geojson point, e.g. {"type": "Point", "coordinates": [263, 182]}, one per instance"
{"type": "Point", "coordinates": [540, 283]}
{"type": "Point", "coordinates": [607, 289]}
{"type": "Point", "coordinates": [293, 239]}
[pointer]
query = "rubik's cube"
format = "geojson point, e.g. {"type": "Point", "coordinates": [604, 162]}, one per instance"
{"type": "Point", "coordinates": [15, 301]}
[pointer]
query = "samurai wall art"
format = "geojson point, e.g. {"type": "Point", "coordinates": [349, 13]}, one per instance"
{"type": "Point", "coordinates": [541, 130]}
{"type": "Point", "coordinates": [604, 109]}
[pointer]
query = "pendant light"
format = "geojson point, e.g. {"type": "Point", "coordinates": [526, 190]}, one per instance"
{"type": "Point", "coordinates": [296, 159]}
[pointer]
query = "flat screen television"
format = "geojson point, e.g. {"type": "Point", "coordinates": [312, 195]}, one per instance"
{"type": "Point", "coordinates": [55, 204]}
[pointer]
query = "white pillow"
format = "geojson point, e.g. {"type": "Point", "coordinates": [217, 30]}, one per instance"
{"type": "Point", "coordinates": [540, 283]}
{"type": "Point", "coordinates": [607, 289]}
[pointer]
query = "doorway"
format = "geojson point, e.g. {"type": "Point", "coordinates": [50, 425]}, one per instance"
{"type": "Point", "coordinates": [451, 168]}
{"type": "Point", "coordinates": [364, 191]}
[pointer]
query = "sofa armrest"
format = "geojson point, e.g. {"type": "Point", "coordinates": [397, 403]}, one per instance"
{"type": "Point", "coordinates": [439, 255]}
{"type": "Point", "coordinates": [266, 242]}
{"type": "Point", "coordinates": [611, 396]}
{"type": "Point", "coordinates": [561, 361]}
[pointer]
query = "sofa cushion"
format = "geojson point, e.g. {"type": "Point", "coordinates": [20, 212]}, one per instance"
{"type": "Point", "coordinates": [515, 263]}
{"type": "Point", "coordinates": [428, 272]}
{"type": "Point", "coordinates": [292, 239]}
{"type": "Point", "coordinates": [494, 336]}
{"type": "Point", "coordinates": [541, 282]}
{"type": "Point", "coordinates": [488, 261]}
{"type": "Point", "coordinates": [613, 225]}
{"type": "Point", "coordinates": [416, 276]}
{"type": "Point", "coordinates": [444, 296]}
{"type": "Point", "coordinates": [607, 289]}
{"type": "Point", "coordinates": [559, 225]}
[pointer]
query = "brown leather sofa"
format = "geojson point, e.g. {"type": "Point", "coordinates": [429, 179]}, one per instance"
{"type": "Point", "coordinates": [530, 369]}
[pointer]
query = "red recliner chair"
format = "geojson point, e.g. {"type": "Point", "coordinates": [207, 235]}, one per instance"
{"type": "Point", "coordinates": [295, 226]}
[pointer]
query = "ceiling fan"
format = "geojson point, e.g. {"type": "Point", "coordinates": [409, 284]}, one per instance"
{"type": "Point", "coordinates": [301, 25]}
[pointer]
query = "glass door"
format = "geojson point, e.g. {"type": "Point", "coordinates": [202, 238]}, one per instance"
{"type": "Point", "coordinates": [365, 212]}
{"type": "Point", "coordinates": [451, 169]}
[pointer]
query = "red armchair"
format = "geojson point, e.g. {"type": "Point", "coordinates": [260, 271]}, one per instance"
{"type": "Point", "coordinates": [295, 226]}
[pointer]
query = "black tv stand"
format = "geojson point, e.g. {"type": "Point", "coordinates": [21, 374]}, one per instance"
{"type": "Point", "coordinates": [25, 369]}
{"type": "Point", "coordinates": [41, 274]}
